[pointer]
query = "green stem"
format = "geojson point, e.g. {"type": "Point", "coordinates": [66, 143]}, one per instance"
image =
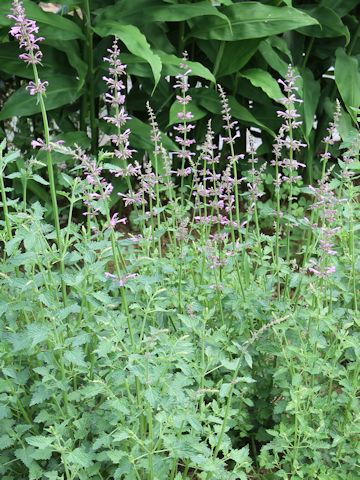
{"type": "Point", "coordinates": [52, 183]}
{"type": "Point", "coordinates": [91, 76]}
{"type": "Point", "coordinates": [4, 201]}
{"type": "Point", "coordinates": [218, 58]}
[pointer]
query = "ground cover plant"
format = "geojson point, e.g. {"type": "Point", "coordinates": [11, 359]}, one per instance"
{"type": "Point", "coordinates": [201, 321]}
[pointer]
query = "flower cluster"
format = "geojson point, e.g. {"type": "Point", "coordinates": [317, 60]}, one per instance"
{"type": "Point", "coordinates": [229, 125]}
{"type": "Point", "coordinates": [25, 31]}
{"type": "Point", "coordinates": [123, 280]}
{"type": "Point", "coordinates": [285, 138]}
{"type": "Point", "coordinates": [254, 176]}
{"type": "Point", "coordinates": [115, 98]}
{"type": "Point", "coordinates": [184, 116]}
{"type": "Point", "coordinates": [325, 205]}
{"type": "Point", "coordinates": [97, 189]}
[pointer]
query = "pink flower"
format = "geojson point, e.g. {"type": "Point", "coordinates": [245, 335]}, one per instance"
{"type": "Point", "coordinates": [115, 220]}
{"type": "Point", "coordinates": [25, 32]}
{"type": "Point", "coordinates": [37, 88]}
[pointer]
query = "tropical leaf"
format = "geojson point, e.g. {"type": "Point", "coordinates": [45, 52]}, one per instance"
{"type": "Point", "coordinates": [135, 42]}
{"type": "Point", "coordinates": [347, 78]}
{"type": "Point", "coordinates": [250, 20]}
{"type": "Point", "coordinates": [330, 24]}
{"type": "Point", "coordinates": [273, 59]}
{"type": "Point", "coordinates": [62, 90]}
{"type": "Point", "coordinates": [208, 99]}
{"type": "Point", "coordinates": [171, 67]}
{"type": "Point", "coordinates": [132, 12]}
{"type": "Point", "coordinates": [236, 55]}
{"type": "Point", "coordinates": [52, 25]}
{"type": "Point", "coordinates": [311, 96]}
{"type": "Point", "coordinates": [52, 62]}
{"type": "Point", "coordinates": [262, 79]}
{"type": "Point", "coordinates": [341, 7]}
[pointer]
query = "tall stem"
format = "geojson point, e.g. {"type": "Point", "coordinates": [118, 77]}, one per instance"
{"type": "Point", "coordinates": [4, 199]}
{"type": "Point", "coordinates": [91, 76]}
{"type": "Point", "coordinates": [52, 183]}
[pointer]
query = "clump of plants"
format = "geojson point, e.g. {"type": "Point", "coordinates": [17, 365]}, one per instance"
{"type": "Point", "coordinates": [206, 329]}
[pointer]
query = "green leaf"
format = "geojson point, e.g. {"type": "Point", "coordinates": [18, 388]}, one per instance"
{"type": "Point", "coordinates": [116, 455]}
{"type": "Point", "coordinates": [62, 90]}
{"type": "Point", "coordinates": [347, 78]}
{"type": "Point", "coordinates": [39, 441]}
{"type": "Point", "coordinates": [347, 132]}
{"type": "Point", "coordinates": [262, 79]}
{"type": "Point", "coordinates": [209, 99]}
{"type": "Point", "coordinates": [141, 136]}
{"type": "Point", "coordinates": [330, 24]}
{"type": "Point", "coordinates": [250, 20]}
{"type": "Point", "coordinates": [133, 12]}
{"type": "Point", "coordinates": [192, 107]}
{"type": "Point", "coordinates": [6, 442]}
{"type": "Point", "coordinates": [73, 53]}
{"type": "Point", "coordinates": [172, 62]}
{"type": "Point", "coordinates": [75, 356]}
{"type": "Point", "coordinates": [135, 42]}
{"type": "Point", "coordinates": [39, 179]}
{"type": "Point", "coordinates": [225, 390]}
{"type": "Point", "coordinates": [80, 457]}
{"type": "Point", "coordinates": [52, 62]}
{"type": "Point", "coordinates": [341, 7]}
{"type": "Point", "coordinates": [273, 58]}
{"type": "Point", "coordinates": [311, 96]}
{"type": "Point", "coordinates": [37, 333]}
{"type": "Point", "coordinates": [241, 457]}
{"type": "Point", "coordinates": [236, 55]}
{"type": "Point", "coordinates": [51, 25]}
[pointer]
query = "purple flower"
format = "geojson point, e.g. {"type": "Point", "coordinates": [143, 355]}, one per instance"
{"type": "Point", "coordinates": [325, 205]}
{"type": "Point", "coordinates": [115, 99]}
{"type": "Point", "coordinates": [115, 220]}
{"type": "Point", "coordinates": [229, 124]}
{"type": "Point", "coordinates": [25, 32]}
{"type": "Point", "coordinates": [124, 280]}
{"type": "Point", "coordinates": [184, 116]}
{"type": "Point", "coordinates": [37, 88]}
{"type": "Point", "coordinates": [132, 198]}
{"type": "Point", "coordinates": [40, 143]}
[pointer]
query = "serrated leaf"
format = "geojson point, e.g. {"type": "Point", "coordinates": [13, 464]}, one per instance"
{"type": "Point", "coordinates": [63, 313]}
{"type": "Point", "coordinates": [39, 441]}
{"type": "Point", "coordinates": [75, 356]}
{"type": "Point", "coordinates": [225, 390]}
{"type": "Point", "coordinates": [116, 455]}
{"type": "Point", "coordinates": [248, 359]}
{"type": "Point", "coordinates": [241, 456]}
{"type": "Point", "coordinates": [40, 395]}
{"type": "Point", "coordinates": [80, 457]}
{"type": "Point", "coordinates": [6, 441]}
{"type": "Point", "coordinates": [37, 333]}
{"type": "Point", "coordinates": [39, 179]}
{"type": "Point", "coordinates": [25, 455]}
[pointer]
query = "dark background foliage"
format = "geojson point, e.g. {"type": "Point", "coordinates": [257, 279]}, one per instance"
{"type": "Point", "coordinates": [244, 46]}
